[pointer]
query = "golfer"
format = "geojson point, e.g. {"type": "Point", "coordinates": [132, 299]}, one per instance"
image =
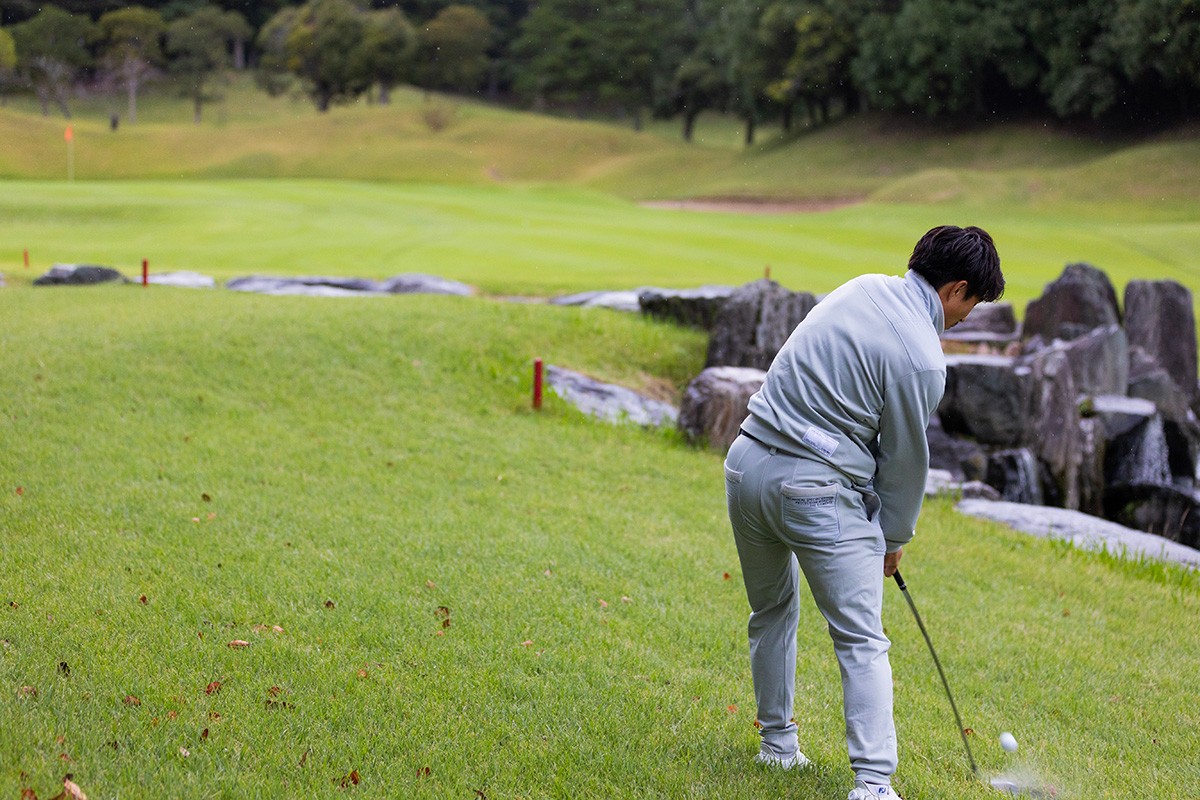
{"type": "Point", "coordinates": [827, 478]}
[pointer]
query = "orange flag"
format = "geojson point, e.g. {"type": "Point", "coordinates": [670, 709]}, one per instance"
{"type": "Point", "coordinates": [69, 135]}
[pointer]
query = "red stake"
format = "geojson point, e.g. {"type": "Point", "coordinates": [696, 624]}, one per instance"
{"type": "Point", "coordinates": [537, 384]}
{"type": "Point", "coordinates": [145, 272]}
{"type": "Point", "coordinates": [26, 259]}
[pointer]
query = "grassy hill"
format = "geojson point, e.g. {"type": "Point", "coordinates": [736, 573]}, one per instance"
{"type": "Point", "coordinates": [447, 140]}
{"type": "Point", "coordinates": [443, 592]}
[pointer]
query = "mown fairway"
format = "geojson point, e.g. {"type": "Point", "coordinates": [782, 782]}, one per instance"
{"type": "Point", "coordinates": [445, 594]}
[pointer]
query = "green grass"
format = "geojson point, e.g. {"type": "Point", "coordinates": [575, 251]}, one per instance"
{"type": "Point", "coordinates": [370, 461]}
{"type": "Point", "coordinates": [541, 240]}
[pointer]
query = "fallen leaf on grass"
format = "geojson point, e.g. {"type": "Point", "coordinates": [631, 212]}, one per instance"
{"type": "Point", "coordinates": [130, 700]}
{"type": "Point", "coordinates": [479, 793]}
{"type": "Point", "coordinates": [183, 751]}
{"type": "Point", "coordinates": [443, 613]}
{"type": "Point", "coordinates": [362, 673]}
{"type": "Point", "coordinates": [732, 709]}
{"type": "Point", "coordinates": [143, 600]}
{"type": "Point", "coordinates": [625, 599]}
{"type": "Point", "coordinates": [214, 716]}
{"type": "Point", "coordinates": [71, 791]}
{"type": "Point", "coordinates": [350, 780]}
{"type": "Point", "coordinates": [13, 604]}
{"type": "Point", "coordinates": [424, 772]}
{"type": "Point", "coordinates": [304, 757]}
{"type": "Point", "coordinates": [206, 498]}
{"type": "Point", "coordinates": [527, 643]}
{"type": "Point", "coordinates": [330, 604]}
{"type": "Point", "coordinates": [274, 691]}
{"type": "Point", "coordinates": [430, 585]}
{"type": "Point", "coordinates": [725, 576]}
{"type": "Point", "coordinates": [213, 687]}
{"type": "Point", "coordinates": [239, 643]}
{"type": "Point", "coordinates": [603, 604]}
{"type": "Point", "coordinates": [64, 668]}
{"type": "Point", "coordinates": [20, 491]}
{"type": "Point", "coordinates": [172, 714]}
{"type": "Point", "coordinates": [64, 757]}
{"type": "Point", "coordinates": [28, 794]}
{"type": "Point", "coordinates": [204, 735]}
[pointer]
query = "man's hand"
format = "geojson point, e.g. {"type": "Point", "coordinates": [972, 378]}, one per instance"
{"type": "Point", "coordinates": [891, 561]}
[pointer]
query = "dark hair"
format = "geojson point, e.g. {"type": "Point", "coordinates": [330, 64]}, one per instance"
{"type": "Point", "coordinates": [948, 254]}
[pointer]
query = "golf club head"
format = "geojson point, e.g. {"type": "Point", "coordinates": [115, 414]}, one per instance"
{"type": "Point", "coordinates": [1010, 787]}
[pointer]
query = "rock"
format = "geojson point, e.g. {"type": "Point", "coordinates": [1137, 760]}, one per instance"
{"type": "Point", "coordinates": [940, 482]}
{"type": "Point", "coordinates": [1118, 415]}
{"type": "Point", "coordinates": [312, 286]}
{"type": "Point", "coordinates": [991, 327]}
{"type": "Point", "coordinates": [182, 279]}
{"type": "Point", "coordinates": [1016, 475]}
{"type": "Point", "coordinates": [618, 301]}
{"type": "Point", "coordinates": [1087, 532]}
{"type": "Point", "coordinates": [963, 459]}
{"type": "Point", "coordinates": [1160, 321]}
{"type": "Point", "coordinates": [1099, 360]}
{"type": "Point", "coordinates": [1167, 511]}
{"type": "Point", "coordinates": [79, 275]}
{"type": "Point", "coordinates": [1090, 469]}
{"type": "Point", "coordinates": [418, 283]}
{"type": "Point", "coordinates": [695, 307]}
{"type": "Point", "coordinates": [1149, 380]}
{"type": "Point", "coordinates": [1139, 457]}
{"type": "Point", "coordinates": [608, 401]}
{"type": "Point", "coordinates": [754, 323]}
{"type": "Point", "coordinates": [715, 404]}
{"type": "Point", "coordinates": [1080, 300]}
{"type": "Point", "coordinates": [1054, 422]}
{"type": "Point", "coordinates": [987, 398]}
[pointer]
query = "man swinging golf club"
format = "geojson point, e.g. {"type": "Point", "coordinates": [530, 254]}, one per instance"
{"type": "Point", "coordinates": [828, 478]}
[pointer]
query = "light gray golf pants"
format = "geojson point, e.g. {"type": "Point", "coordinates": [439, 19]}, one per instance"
{"type": "Point", "coordinates": [791, 514]}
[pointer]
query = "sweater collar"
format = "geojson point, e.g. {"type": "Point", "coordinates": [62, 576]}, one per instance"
{"type": "Point", "coordinates": [930, 296]}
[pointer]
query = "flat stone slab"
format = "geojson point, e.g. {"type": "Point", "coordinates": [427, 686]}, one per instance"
{"type": "Point", "coordinates": [1082, 530]}
{"type": "Point", "coordinates": [336, 286]}
{"type": "Point", "coordinates": [616, 300]}
{"type": "Point", "coordinates": [608, 401]}
{"type": "Point", "coordinates": [183, 279]}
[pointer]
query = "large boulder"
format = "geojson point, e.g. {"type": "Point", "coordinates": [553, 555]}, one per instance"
{"type": "Point", "coordinates": [715, 404]}
{"type": "Point", "coordinates": [963, 459]}
{"type": "Point", "coordinates": [1017, 475]}
{"type": "Point", "coordinates": [79, 275]}
{"type": "Point", "coordinates": [1054, 423]}
{"type": "Point", "coordinates": [1080, 300]}
{"type": "Point", "coordinates": [608, 401]}
{"type": "Point", "coordinates": [1168, 511]}
{"type": "Point", "coordinates": [1150, 381]}
{"type": "Point", "coordinates": [1159, 320]}
{"type": "Point", "coordinates": [1139, 457]}
{"type": "Point", "coordinates": [987, 398]}
{"type": "Point", "coordinates": [754, 323]}
{"type": "Point", "coordinates": [695, 307]}
{"type": "Point", "coordinates": [991, 327]}
{"type": "Point", "coordinates": [1099, 360]}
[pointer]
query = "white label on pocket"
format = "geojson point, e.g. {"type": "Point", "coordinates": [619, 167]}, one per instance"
{"type": "Point", "coordinates": [820, 441]}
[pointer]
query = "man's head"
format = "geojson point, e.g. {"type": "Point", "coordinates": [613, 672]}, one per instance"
{"type": "Point", "coordinates": [962, 265]}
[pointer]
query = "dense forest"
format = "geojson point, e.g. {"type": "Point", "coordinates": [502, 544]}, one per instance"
{"type": "Point", "coordinates": [792, 61]}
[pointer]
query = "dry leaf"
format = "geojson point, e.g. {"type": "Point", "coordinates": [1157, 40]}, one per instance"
{"type": "Point", "coordinates": [350, 780]}
{"type": "Point", "coordinates": [28, 794]}
{"type": "Point", "coordinates": [20, 491]}
{"type": "Point", "coordinates": [603, 604]}
{"type": "Point", "coordinates": [274, 691]}
{"type": "Point", "coordinates": [239, 643]}
{"type": "Point", "coordinates": [213, 687]}
{"type": "Point", "coordinates": [362, 673]}
{"type": "Point", "coordinates": [206, 498]}
{"type": "Point", "coordinates": [183, 751]}
{"type": "Point", "coordinates": [196, 519]}
{"type": "Point", "coordinates": [527, 643]}
{"type": "Point", "coordinates": [143, 600]}
{"type": "Point", "coordinates": [329, 604]}
{"type": "Point", "coordinates": [211, 516]}
{"type": "Point", "coordinates": [277, 629]}
{"type": "Point", "coordinates": [424, 772]}
{"type": "Point", "coordinates": [439, 633]}
{"type": "Point", "coordinates": [72, 791]}
{"type": "Point", "coordinates": [64, 757]}
{"type": "Point", "coordinates": [479, 793]}
{"type": "Point", "coordinates": [204, 734]}
{"type": "Point", "coordinates": [304, 757]}
{"type": "Point", "coordinates": [430, 585]}
{"type": "Point", "coordinates": [725, 576]}
{"type": "Point", "coordinates": [13, 604]}
{"type": "Point", "coordinates": [172, 714]}
{"type": "Point", "coordinates": [731, 708]}
{"type": "Point", "coordinates": [130, 700]}
{"type": "Point", "coordinates": [625, 599]}
{"type": "Point", "coordinates": [64, 668]}
{"type": "Point", "coordinates": [214, 716]}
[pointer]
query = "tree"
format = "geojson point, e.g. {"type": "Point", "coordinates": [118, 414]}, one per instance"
{"type": "Point", "coordinates": [322, 45]}
{"type": "Point", "coordinates": [697, 83]}
{"type": "Point", "coordinates": [452, 53]}
{"type": "Point", "coordinates": [131, 47]}
{"type": "Point", "coordinates": [199, 48]}
{"type": "Point", "coordinates": [817, 68]}
{"type": "Point", "coordinates": [389, 43]}
{"type": "Point", "coordinates": [51, 51]}
{"type": "Point", "coordinates": [273, 75]}
{"type": "Point", "coordinates": [8, 62]}
{"type": "Point", "coordinates": [555, 60]}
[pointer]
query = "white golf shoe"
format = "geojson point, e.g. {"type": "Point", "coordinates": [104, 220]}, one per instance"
{"type": "Point", "coordinates": [865, 791]}
{"type": "Point", "coordinates": [796, 761]}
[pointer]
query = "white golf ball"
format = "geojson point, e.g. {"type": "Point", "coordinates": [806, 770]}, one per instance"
{"type": "Point", "coordinates": [1008, 742]}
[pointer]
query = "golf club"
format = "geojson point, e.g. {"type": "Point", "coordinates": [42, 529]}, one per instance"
{"type": "Point", "coordinates": [1005, 785]}
{"type": "Point", "coordinates": [961, 730]}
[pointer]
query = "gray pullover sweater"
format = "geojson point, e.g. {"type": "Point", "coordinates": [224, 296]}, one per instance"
{"type": "Point", "coordinates": [854, 386]}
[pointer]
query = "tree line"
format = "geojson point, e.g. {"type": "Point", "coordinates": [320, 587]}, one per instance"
{"type": "Point", "coordinates": [1129, 61]}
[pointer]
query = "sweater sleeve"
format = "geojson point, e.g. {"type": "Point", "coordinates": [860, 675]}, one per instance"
{"type": "Point", "coordinates": [902, 460]}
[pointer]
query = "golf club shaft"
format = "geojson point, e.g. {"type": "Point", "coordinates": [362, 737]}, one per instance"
{"type": "Point", "coordinates": [957, 718]}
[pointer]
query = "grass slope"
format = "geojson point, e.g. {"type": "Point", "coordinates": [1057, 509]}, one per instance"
{"type": "Point", "coordinates": [358, 471]}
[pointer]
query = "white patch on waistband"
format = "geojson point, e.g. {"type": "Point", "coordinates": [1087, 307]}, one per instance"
{"type": "Point", "coordinates": [820, 441]}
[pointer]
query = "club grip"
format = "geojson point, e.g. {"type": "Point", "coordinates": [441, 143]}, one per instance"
{"type": "Point", "coordinates": [899, 581]}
